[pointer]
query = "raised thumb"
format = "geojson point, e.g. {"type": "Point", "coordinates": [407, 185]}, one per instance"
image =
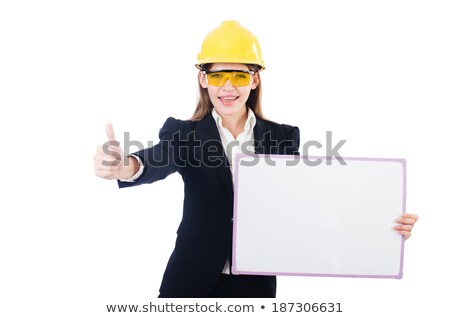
{"type": "Point", "coordinates": [110, 132]}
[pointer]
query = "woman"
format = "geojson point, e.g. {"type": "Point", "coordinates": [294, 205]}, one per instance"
{"type": "Point", "coordinates": [227, 120]}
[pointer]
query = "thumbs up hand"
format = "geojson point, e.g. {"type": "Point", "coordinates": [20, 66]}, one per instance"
{"type": "Point", "coordinates": [109, 160]}
{"type": "Point", "coordinates": [110, 132]}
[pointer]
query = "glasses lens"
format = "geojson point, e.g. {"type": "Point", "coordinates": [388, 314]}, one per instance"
{"type": "Point", "coordinates": [236, 78]}
{"type": "Point", "coordinates": [217, 78]}
{"type": "Point", "coordinates": [240, 79]}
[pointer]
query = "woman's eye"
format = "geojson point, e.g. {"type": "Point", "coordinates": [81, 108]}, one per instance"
{"type": "Point", "coordinates": [216, 75]}
{"type": "Point", "coordinates": [241, 75]}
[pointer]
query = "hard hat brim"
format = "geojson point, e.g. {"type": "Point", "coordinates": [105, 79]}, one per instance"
{"type": "Point", "coordinates": [200, 63]}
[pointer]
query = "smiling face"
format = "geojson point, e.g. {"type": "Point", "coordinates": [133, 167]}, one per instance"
{"type": "Point", "coordinates": [228, 100]}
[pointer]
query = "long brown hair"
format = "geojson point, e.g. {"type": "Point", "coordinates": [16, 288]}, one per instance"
{"type": "Point", "coordinates": [204, 104]}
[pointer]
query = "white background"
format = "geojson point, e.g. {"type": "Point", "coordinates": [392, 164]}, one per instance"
{"type": "Point", "coordinates": [376, 73]}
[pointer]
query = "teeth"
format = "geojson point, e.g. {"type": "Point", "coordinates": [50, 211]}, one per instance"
{"type": "Point", "coordinates": [228, 98]}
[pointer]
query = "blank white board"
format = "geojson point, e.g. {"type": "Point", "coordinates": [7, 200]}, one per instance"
{"type": "Point", "coordinates": [293, 216]}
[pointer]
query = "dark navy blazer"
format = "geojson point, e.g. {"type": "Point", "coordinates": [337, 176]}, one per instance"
{"type": "Point", "coordinates": [194, 149]}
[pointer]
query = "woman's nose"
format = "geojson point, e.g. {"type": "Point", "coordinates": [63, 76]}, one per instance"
{"type": "Point", "coordinates": [228, 85]}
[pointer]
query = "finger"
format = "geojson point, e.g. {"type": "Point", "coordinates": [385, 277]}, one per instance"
{"type": "Point", "coordinates": [115, 151]}
{"type": "Point", "coordinates": [110, 163]}
{"type": "Point", "coordinates": [110, 132]}
{"type": "Point", "coordinates": [406, 234]}
{"type": "Point", "coordinates": [101, 166]}
{"type": "Point", "coordinates": [403, 227]}
{"type": "Point", "coordinates": [109, 150]}
{"type": "Point", "coordinates": [101, 157]}
{"type": "Point", "coordinates": [105, 174]}
{"type": "Point", "coordinates": [106, 161]}
{"type": "Point", "coordinates": [410, 216]}
{"type": "Point", "coordinates": [409, 221]}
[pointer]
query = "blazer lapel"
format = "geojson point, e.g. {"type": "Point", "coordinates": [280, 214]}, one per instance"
{"type": "Point", "coordinates": [209, 136]}
{"type": "Point", "coordinates": [262, 137]}
{"type": "Point", "coordinates": [207, 132]}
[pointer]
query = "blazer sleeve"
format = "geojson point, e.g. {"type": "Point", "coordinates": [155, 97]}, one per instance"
{"type": "Point", "coordinates": [160, 160]}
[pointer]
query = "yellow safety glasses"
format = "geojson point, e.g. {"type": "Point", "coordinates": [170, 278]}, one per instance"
{"type": "Point", "coordinates": [236, 77]}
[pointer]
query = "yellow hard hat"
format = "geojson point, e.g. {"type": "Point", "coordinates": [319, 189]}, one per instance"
{"type": "Point", "coordinates": [230, 43]}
